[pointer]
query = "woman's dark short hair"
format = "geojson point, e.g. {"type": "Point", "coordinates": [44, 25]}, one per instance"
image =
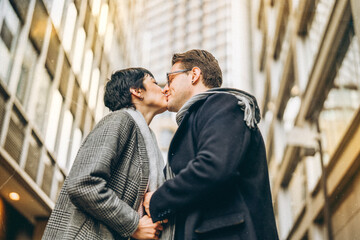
{"type": "Point", "coordinates": [117, 90]}
{"type": "Point", "coordinates": [212, 75]}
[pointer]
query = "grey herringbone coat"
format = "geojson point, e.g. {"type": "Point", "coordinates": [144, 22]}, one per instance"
{"type": "Point", "coordinates": [106, 183]}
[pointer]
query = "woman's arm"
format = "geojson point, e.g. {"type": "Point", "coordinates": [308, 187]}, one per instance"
{"type": "Point", "coordinates": [87, 181]}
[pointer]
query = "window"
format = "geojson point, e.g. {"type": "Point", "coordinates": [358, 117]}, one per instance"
{"type": "Point", "coordinates": [343, 100]}
{"type": "Point", "coordinates": [42, 99]}
{"type": "Point", "coordinates": [313, 171]}
{"type": "Point", "coordinates": [56, 12]}
{"type": "Point", "coordinates": [64, 78]}
{"type": "Point", "coordinates": [94, 87]}
{"type": "Point", "coordinates": [100, 105]}
{"type": "Point", "coordinates": [103, 19]}
{"type": "Point", "coordinates": [3, 98]}
{"type": "Point", "coordinates": [86, 71]}
{"type": "Point", "coordinates": [53, 52]}
{"type": "Point", "coordinates": [108, 38]}
{"type": "Point", "coordinates": [284, 213]}
{"type": "Point", "coordinates": [317, 28]}
{"type": "Point", "coordinates": [65, 139]}
{"type": "Point", "coordinates": [33, 157]}
{"type": "Point", "coordinates": [75, 145]}
{"type": "Point", "coordinates": [53, 121]}
{"type": "Point", "coordinates": [26, 76]}
{"type": "Point", "coordinates": [15, 136]}
{"type": "Point", "coordinates": [9, 32]}
{"type": "Point", "coordinates": [38, 25]}
{"type": "Point", "coordinates": [78, 50]}
{"type": "Point", "coordinates": [69, 27]}
{"type": "Point", "coordinates": [48, 174]}
{"type": "Point", "coordinates": [48, 4]}
{"type": "Point", "coordinates": [21, 7]}
{"type": "Point", "coordinates": [95, 8]}
{"type": "Point", "coordinates": [75, 97]}
{"type": "Point", "coordinates": [297, 190]}
{"type": "Point", "coordinates": [59, 178]}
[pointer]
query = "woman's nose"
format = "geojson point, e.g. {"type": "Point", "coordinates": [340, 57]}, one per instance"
{"type": "Point", "coordinates": [165, 91]}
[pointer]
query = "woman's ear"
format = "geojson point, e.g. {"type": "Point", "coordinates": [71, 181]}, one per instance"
{"type": "Point", "coordinates": [136, 93]}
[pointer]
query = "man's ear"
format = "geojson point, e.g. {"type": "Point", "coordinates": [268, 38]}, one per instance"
{"type": "Point", "coordinates": [196, 73]}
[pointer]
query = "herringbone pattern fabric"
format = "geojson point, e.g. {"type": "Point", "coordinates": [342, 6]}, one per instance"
{"type": "Point", "coordinates": [103, 190]}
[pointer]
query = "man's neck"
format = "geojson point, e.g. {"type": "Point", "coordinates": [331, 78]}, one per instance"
{"type": "Point", "coordinates": [199, 89]}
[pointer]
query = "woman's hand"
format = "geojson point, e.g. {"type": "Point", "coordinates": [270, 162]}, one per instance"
{"type": "Point", "coordinates": [147, 229]}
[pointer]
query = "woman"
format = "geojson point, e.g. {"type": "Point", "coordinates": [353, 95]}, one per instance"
{"type": "Point", "coordinates": [117, 163]}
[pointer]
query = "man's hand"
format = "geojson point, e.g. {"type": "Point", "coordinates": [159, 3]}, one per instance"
{"type": "Point", "coordinates": [146, 203]}
{"type": "Point", "coordinates": [147, 229]}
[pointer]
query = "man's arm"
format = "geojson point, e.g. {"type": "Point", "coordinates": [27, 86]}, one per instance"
{"type": "Point", "coordinates": [223, 138]}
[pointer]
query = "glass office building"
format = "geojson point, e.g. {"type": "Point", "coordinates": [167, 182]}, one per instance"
{"type": "Point", "coordinates": [307, 66]}
{"type": "Point", "coordinates": [55, 59]}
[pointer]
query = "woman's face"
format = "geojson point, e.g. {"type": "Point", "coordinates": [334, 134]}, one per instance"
{"type": "Point", "coordinates": [153, 96]}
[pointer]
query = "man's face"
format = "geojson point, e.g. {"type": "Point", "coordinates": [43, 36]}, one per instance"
{"type": "Point", "coordinates": [179, 87]}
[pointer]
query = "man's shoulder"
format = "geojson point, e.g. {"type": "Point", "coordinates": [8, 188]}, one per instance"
{"type": "Point", "coordinates": [219, 100]}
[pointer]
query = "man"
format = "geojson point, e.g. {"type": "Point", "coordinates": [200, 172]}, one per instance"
{"type": "Point", "coordinates": [221, 188]}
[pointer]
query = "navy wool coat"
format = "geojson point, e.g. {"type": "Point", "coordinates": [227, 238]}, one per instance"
{"type": "Point", "coordinates": [106, 184]}
{"type": "Point", "coordinates": [221, 186]}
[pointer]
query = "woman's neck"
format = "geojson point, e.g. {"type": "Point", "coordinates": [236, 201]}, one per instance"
{"type": "Point", "coordinates": [147, 112]}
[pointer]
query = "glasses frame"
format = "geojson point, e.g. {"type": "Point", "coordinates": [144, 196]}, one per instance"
{"type": "Point", "coordinates": [175, 72]}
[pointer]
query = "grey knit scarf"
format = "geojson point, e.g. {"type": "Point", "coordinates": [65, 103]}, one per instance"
{"type": "Point", "coordinates": [156, 164]}
{"type": "Point", "coordinates": [246, 101]}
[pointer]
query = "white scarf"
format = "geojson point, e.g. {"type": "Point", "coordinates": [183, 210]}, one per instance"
{"type": "Point", "coordinates": [156, 164]}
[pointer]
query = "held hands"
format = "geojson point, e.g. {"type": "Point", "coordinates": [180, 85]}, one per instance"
{"type": "Point", "coordinates": [147, 229]}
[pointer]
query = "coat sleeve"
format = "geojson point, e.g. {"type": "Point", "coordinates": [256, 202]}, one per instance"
{"type": "Point", "coordinates": [87, 180]}
{"type": "Point", "coordinates": [222, 138]}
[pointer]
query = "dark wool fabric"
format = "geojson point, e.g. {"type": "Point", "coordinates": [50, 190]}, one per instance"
{"type": "Point", "coordinates": [221, 186]}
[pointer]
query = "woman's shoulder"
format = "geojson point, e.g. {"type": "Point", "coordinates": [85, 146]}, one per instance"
{"type": "Point", "coordinates": [116, 118]}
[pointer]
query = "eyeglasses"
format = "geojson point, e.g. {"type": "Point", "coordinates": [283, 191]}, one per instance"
{"type": "Point", "coordinates": [176, 72]}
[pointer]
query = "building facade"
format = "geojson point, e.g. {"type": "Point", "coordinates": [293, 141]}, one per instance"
{"type": "Point", "coordinates": [55, 59]}
{"type": "Point", "coordinates": [307, 71]}
{"type": "Point", "coordinates": [220, 27]}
